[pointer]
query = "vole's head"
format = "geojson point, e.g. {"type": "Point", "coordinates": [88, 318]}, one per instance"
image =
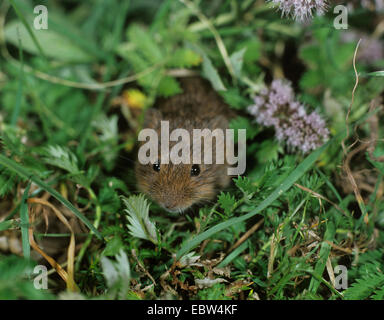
{"type": "Point", "coordinates": [177, 187]}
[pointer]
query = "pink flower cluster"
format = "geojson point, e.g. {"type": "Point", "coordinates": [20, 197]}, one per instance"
{"type": "Point", "coordinates": [301, 9]}
{"type": "Point", "coordinates": [276, 107]}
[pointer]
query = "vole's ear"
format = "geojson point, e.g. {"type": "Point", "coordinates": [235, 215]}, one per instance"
{"type": "Point", "coordinates": [152, 118]}
{"type": "Point", "coordinates": [219, 122]}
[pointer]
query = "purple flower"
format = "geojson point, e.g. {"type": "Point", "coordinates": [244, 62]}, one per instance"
{"type": "Point", "coordinates": [276, 107]}
{"type": "Point", "coordinates": [301, 9]}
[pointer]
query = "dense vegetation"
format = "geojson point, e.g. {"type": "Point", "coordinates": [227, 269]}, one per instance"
{"type": "Point", "coordinates": [72, 99]}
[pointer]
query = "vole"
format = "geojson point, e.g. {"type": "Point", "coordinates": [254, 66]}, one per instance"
{"type": "Point", "coordinates": [177, 187]}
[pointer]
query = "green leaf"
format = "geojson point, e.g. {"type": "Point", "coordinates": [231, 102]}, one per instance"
{"type": "Point", "coordinates": [212, 75]}
{"type": "Point", "coordinates": [364, 287]}
{"type": "Point", "coordinates": [109, 199]}
{"type": "Point", "coordinates": [208, 70]}
{"type": "Point", "coordinates": [269, 150]}
{"type": "Point", "coordinates": [145, 44]}
{"type": "Point", "coordinates": [226, 201]}
{"type": "Point", "coordinates": [140, 64]}
{"type": "Point", "coordinates": [184, 58]}
{"type": "Point", "coordinates": [14, 286]}
{"type": "Point", "coordinates": [311, 79]}
{"type": "Point", "coordinates": [379, 294]}
{"type": "Point", "coordinates": [8, 181]}
{"type": "Point", "coordinates": [343, 54]}
{"type": "Point", "coordinates": [108, 134]}
{"type": "Point", "coordinates": [310, 54]}
{"type": "Point", "coordinates": [235, 99]}
{"type": "Point", "coordinates": [168, 86]}
{"type": "Point", "coordinates": [139, 225]}
{"type": "Point", "coordinates": [61, 157]}
{"type": "Point", "coordinates": [377, 153]}
{"type": "Point", "coordinates": [55, 45]}
{"type": "Point", "coordinates": [237, 59]}
{"type": "Point", "coordinates": [117, 274]}
{"type": "Point", "coordinates": [26, 24]}
{"type": "Point", "coordinates": [253, 50]}
{"type": "Point", "coordinates": [245, 185]}
{"type": "Point", "coordinates": [61, 23]}
{"type": "Point", "coordinates": [113, 246]}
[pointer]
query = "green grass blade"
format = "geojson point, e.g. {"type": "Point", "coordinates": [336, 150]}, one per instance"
{"type": "Point", "coordinates": [325, 251]}
{"type": "Point", "coordinates": [25, 23]}
{"type": "Point", "coordinates": [288, 182]}
{"type": "Point", "coordinates": [7, 224]}
{"type": "Point", "coordinates": [19, 97]}
{"type": "Point", "coordinates": [330, 185]}
{"type": "Point", "coordinates": [24, 219]}
{"type": "Point", "coordinates": [233, 255]}
{"type": "Point", "coordinates": [376, 74]}
{"type": "Point", "coordinates": [12, 165]}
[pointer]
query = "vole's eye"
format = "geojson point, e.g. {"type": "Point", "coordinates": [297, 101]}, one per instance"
{"type": "Point", "coordinates": [156, 167]}
{"type": "Point", "coordinates": [195, 170]}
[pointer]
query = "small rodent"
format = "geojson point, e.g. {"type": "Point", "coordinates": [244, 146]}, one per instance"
{"type": "Point", "coordinates": [178, 187]}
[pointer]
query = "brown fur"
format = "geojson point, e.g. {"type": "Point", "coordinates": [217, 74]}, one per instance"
{"type": "Point", "coordinates": [198, 107]}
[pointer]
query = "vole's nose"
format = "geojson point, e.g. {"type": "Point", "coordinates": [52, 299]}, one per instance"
{"type": "Point", "coordinates": [170, 204]}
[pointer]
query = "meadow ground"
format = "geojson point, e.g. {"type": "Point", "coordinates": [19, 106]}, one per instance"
{"type": "Point", "coordinates": [305, 221]}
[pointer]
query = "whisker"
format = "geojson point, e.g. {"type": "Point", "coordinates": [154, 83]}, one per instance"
{"type": "Point", "coordinates": [125, 158]}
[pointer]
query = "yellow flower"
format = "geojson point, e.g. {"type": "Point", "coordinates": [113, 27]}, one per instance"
{"type": "Point", "coordinates": [134, 98]}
